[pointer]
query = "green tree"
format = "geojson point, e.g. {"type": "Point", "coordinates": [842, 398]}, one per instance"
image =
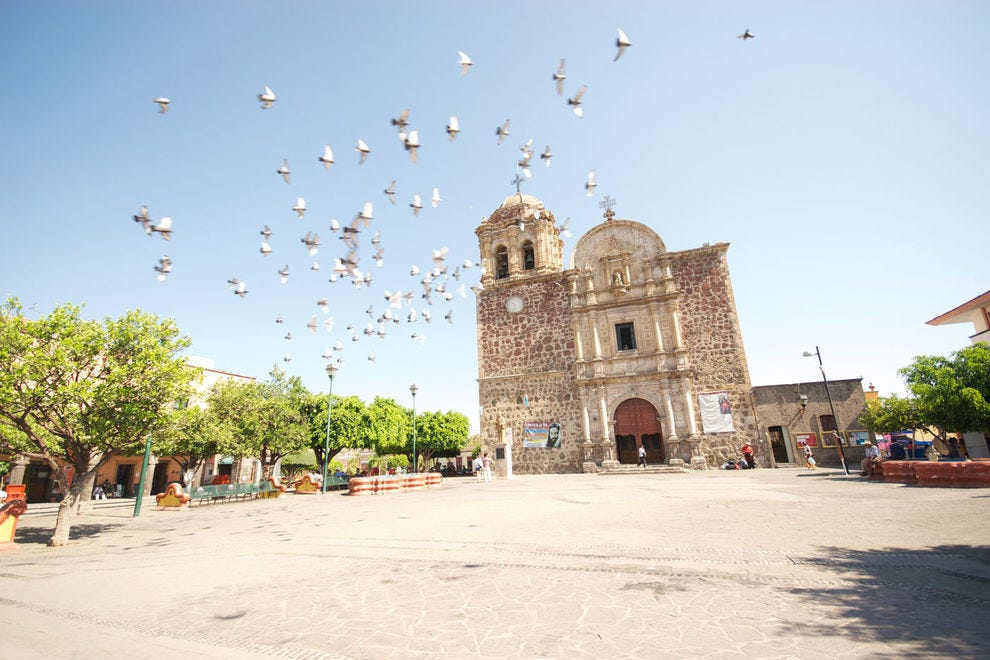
{"type": "Point", "coordinates": [440, 434]}
{"type": "Point", "coordinates": [192, 436]}
{"type": "Point", "coordinates": [386, 426]}
{"type": "Point", "coordinates": [268, 419]}
{"type": "Point", "coordinates": [345, 424]}
{"type": "Point", "coordinates": [890, 414]}
{"type": "Point", "coordinates": [952, 393]}
{"type": "Point", "coordinates": [76, 392]}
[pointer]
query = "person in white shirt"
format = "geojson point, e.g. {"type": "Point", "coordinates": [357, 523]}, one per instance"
{"type": "Point", "coordinates": [871, 460]}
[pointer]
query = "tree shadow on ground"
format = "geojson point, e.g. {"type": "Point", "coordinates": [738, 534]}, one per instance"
{"type": "Point", "coordinates": [923, 603]}
{"type": "Point", "coordinates": [40, 535]}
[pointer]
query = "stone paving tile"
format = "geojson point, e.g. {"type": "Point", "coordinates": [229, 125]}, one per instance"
{"type": "Point", "coordinates": [766, 564]}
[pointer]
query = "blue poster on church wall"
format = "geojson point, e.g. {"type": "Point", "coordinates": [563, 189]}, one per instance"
{"type": "Point", "coordinates": [716, 412]}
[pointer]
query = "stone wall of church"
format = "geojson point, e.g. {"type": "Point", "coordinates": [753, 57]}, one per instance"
{"type": "Point", "coordinates": [711, 333]}
{"type": "Point", "coordinates": [528, 358]}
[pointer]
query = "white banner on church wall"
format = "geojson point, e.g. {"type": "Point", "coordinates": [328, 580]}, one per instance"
{"type": "Point", "coordinates": [543, 435]}
{"type": "Point", "coordinates": [716, 412]}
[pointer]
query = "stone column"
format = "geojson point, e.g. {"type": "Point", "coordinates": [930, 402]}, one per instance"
{"type": "Point", "coordinates": [697, 460]}
{"type": "Point", "coordinates": [598, 343]}
{"type": "Point", "coordinates": [655, 313]}
{"type": "Point", "coordinates": [675, 320]}
{"type": "Point", "coordinates": [20, 464]}
{"type": "Point", "coordinates": [578, 343]}
{"type": "Point", "coordinates": [587, 447]}
{"type": "Point", "coordinates": [672, 442]}
{"type": "Point", "coordinates": [608, 454]}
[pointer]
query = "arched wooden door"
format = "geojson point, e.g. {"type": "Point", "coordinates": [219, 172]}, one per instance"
{"type": "Point", "coordinates": [637, 422]}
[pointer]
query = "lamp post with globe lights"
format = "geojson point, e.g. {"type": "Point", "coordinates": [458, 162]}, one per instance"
{"type": "Point", "coordinates": [412, 390]}
{"type": "Point", "coordinates": [331, 372]}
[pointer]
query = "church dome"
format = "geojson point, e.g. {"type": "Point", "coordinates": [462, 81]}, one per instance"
{"type": "Point", "coordinates": [514, 206]}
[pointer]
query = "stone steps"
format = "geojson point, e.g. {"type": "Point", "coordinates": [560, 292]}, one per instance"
{"type": "Point", "coordinates": [649, 469]}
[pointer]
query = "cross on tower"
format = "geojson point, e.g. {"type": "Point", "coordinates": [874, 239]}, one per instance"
{"type": "Point", "coordinates": [607, 203]}
{"type": "Point", "coordinates": [517, 182]}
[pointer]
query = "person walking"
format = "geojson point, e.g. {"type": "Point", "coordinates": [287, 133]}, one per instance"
{"type": "Point", "coordinates": [642, 455]}
{"type": "Point", "coordinates": [486, 467]}
{"type": "Point", "coordinates": [809, 457]}
{"type": "Point", "coordinates": [477, 467]}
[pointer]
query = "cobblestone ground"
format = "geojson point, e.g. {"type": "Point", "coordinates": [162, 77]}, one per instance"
{"type": "Point", "coordinates": [761, 564]}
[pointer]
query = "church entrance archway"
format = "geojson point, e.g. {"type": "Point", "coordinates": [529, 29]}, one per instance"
{"type": "Point", "coordinates": [637, 422]}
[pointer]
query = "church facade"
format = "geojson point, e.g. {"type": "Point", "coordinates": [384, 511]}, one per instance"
{"type": "Point", "coordinates": [629, 346]}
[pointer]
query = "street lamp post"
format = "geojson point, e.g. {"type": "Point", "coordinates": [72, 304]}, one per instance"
{"type": "Point", "coordinates": [331, 371]}
{"type": "Point", "coordinates": [412, 390]}
{"type": "Point", "coordinates": [835, 419]}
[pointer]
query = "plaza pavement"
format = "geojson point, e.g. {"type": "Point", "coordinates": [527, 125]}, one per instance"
{"type": "Point", "coordinates": [745, 564]}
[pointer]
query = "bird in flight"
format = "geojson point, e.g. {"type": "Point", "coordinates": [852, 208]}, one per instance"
{"type": "Point", "coordinates": [266, 249]}
{"type": "Point", "coordinates": [284, 170]}
{"type": "Point", "coordinates": [591, 183]}
{"type": "Point", "coordinates": [162, 104]}
{"type": "Point", "coordinates": [411, 143]}
{"type": "Point", "coordinates": [453, 127]}
{"type": "Point", "coordinates": [327, 157]}
{"type": "Point", "coordinates": [547, 155]}
{"type": "Point", "coordinates": [435, 200]}
{"type": "Point", "coordinates": [564, 228]}
{"type": "Point", "coordinates": [746, 35]}
{"type": "Point", "coordinates": [390, 191]}
{"type": "Point", "coordinates": [144, 219]}
{"type": "Point", "coordinates": [621, 42]}
{"type": "Point", "coordinates": [559, 77]}
{"type": "Point", "coordinates": [402, 120]}
{"type": "Point", "coordinates": [239, 286]}
{"type": "Point", "coordinates": [364, 150]}
{"type": "Point", "coordinates": [267, 98]}
{"type": "Point", "coordinates": [576, 101]}
{"type": "Point", "coordinates": [416, 204]}
{"type": "Point", "coordinates": [283, 273]}
{"type": "Point", "coordinates": [163, 268]}
{"type": "Point", "coordinates": [300, 207]}
{"type": "Point", "coordinates": [464, 61]}
{"type": "Point", "coordinates": [164, 227]}
{"type": "Point", "coordinates": [502, 131]}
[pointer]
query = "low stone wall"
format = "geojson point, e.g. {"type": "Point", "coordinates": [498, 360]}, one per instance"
{"type": "Point", "coordinates": [943, 474]}
{"type": "Point", "coordinates": [384, 485]}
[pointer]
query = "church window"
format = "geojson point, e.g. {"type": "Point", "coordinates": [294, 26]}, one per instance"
{"type": "Point", "coordinates": [625, 336]}
{"type": "Point", "coordinates": [501, 262]}
{"type": "Point", "coordinates": [529, 258]}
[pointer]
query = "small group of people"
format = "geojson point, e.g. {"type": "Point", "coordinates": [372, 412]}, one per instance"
{"type": "Point", "coordinates": [482, 468]}
{"type": "Point", "coordinates": [104, 491]}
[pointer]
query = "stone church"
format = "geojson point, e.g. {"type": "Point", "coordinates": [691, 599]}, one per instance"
{"type": "Point", "coordinates": [630, 345]}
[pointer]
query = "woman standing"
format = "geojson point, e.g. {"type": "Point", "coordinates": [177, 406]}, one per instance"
{"type": "Point", "coordinates": [809, 457]}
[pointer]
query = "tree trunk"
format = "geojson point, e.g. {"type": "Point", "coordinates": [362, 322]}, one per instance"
{"type": "Point", "coordinates": [80, 491]}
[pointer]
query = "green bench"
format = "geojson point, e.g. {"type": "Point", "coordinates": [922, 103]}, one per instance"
{"type": "Point", "coordinates": [214, 494]}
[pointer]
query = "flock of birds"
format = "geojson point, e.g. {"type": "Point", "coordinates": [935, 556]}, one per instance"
{"type": "Point", "coordinates": [437, 282]}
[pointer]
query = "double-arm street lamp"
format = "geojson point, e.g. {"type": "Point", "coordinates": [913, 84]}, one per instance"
{"type": "Point", "coordinates": [331, 371]}
{"type": "Point", "coordinates": [835, 419]}
{"type": "Point", "coordinates": [412, 390]}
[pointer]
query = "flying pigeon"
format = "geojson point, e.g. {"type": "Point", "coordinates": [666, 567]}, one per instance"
{"type": "Point", "coordinates": [266, 231]}
{"type": "Point", "coordinates": [144, 219]}
{"type": "Point", "coordinates": [546, 155]}
{"type": "Point", "coordinates": [464, 61]}
{"type": "Point", "coordinates": [364, 150]}
{"type": "Point", "coordinates": [576, 101]}
{"type": "Point", "coordinates": [300, 207]}
{"type": "Point", "coordinates": [427, 316]}
{"type": "Point", "coordinates": [279, 320]}
{"type": "Point", "coordinates": [334, 225]}
{"type": "Point", "coordinates": [390, 191]}
{"type": "Point", "coordinates": [163, 268]}
{"type": "Point", "coordinates": [284, 273]}
{"type": "Point", "coordinates": [591, 183]}
{"type": "Point", "coordinates": [414, 271]}
{"type": "Point", "coordinates": [376, 239]}
{"type": "Point", "coordinates": [439, 256]}
{"type": "Point", "coordinates": [315, 267]}
{"type": "Point", "coordinates": [327, 157]}
{"type": "Point", "coordinates": [744, 36]}
{"type": "Point", "coordinates": [164, 227]}
{"type": "Point", "coordinates": [312, 242]}
{"type": "Point", "coordinates": [312, 324]}
{"type": "Point", "coordinates": [266, 249]}
{"type": "Point", "coordinates": [328, 324]}
{"type": "Point", "coordinates": [502, 131]}
{"type": "Point", "coordinates": [267, 98]}
{"type": "Point", "coordinates": [288, 336]}
{"type": "Point", "coordinates": [162, 104]}
{"type": "Point", "coordinates": [449, 316]}
{"type": "Point", "coordinates": [402, 120]}
{"type": "Point", "coordinates": [621, 42]}
{"type": "Point", "coordinates": [324, 305]}
{"type": "Point", "coordinates": [416, 204]}
{"type": "Point", "coordinates": [284, 170]}
{"type": "Point", "coordinates": [239, 286]}
{"type": "Point", "coordinates": [453, 127]}
{"type": "Point", "coordinates": [411, 143]}
{"type": "Point", "coordinates": [564, 228]}
{"type": "Point", "coordinates": [416, 336]}
{"type": "Point", "coordinates": [371, 357]}
{"type": "Point", "coordinates": [367, 213]}
{"type": "Point", "coordinates": [287, 358]}
{"type": "Point", "coordinates": [559, 77]}
{"type": "Point", "coordinates": [435, 200]}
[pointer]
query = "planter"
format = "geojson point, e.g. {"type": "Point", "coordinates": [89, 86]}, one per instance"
{"type": "Point", "coordinates": [433, 479]}
{"type": "Point", "coordinates": [900, 472]}
{"type": "Point", "coordinates": [361, 486]}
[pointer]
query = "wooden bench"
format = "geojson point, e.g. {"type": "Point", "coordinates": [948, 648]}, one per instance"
{"type": "Point", "coordinates": [215, 494]}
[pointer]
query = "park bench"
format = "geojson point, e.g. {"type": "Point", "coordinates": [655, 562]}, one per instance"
{"type": "Point", "coordinates": [217, 493]}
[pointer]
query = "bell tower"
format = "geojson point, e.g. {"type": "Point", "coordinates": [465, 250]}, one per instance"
{"type": "Point", "coordinates": [525, 339]}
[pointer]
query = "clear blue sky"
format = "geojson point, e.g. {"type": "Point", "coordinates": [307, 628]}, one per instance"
{"type": "Point", "coordinates": [843, 153]}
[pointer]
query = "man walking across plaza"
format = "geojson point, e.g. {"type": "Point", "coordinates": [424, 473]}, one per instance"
{"type": "Point", "coordinates": [486, 467]}
{"type": "Point", "coordinates": [642, 455]}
